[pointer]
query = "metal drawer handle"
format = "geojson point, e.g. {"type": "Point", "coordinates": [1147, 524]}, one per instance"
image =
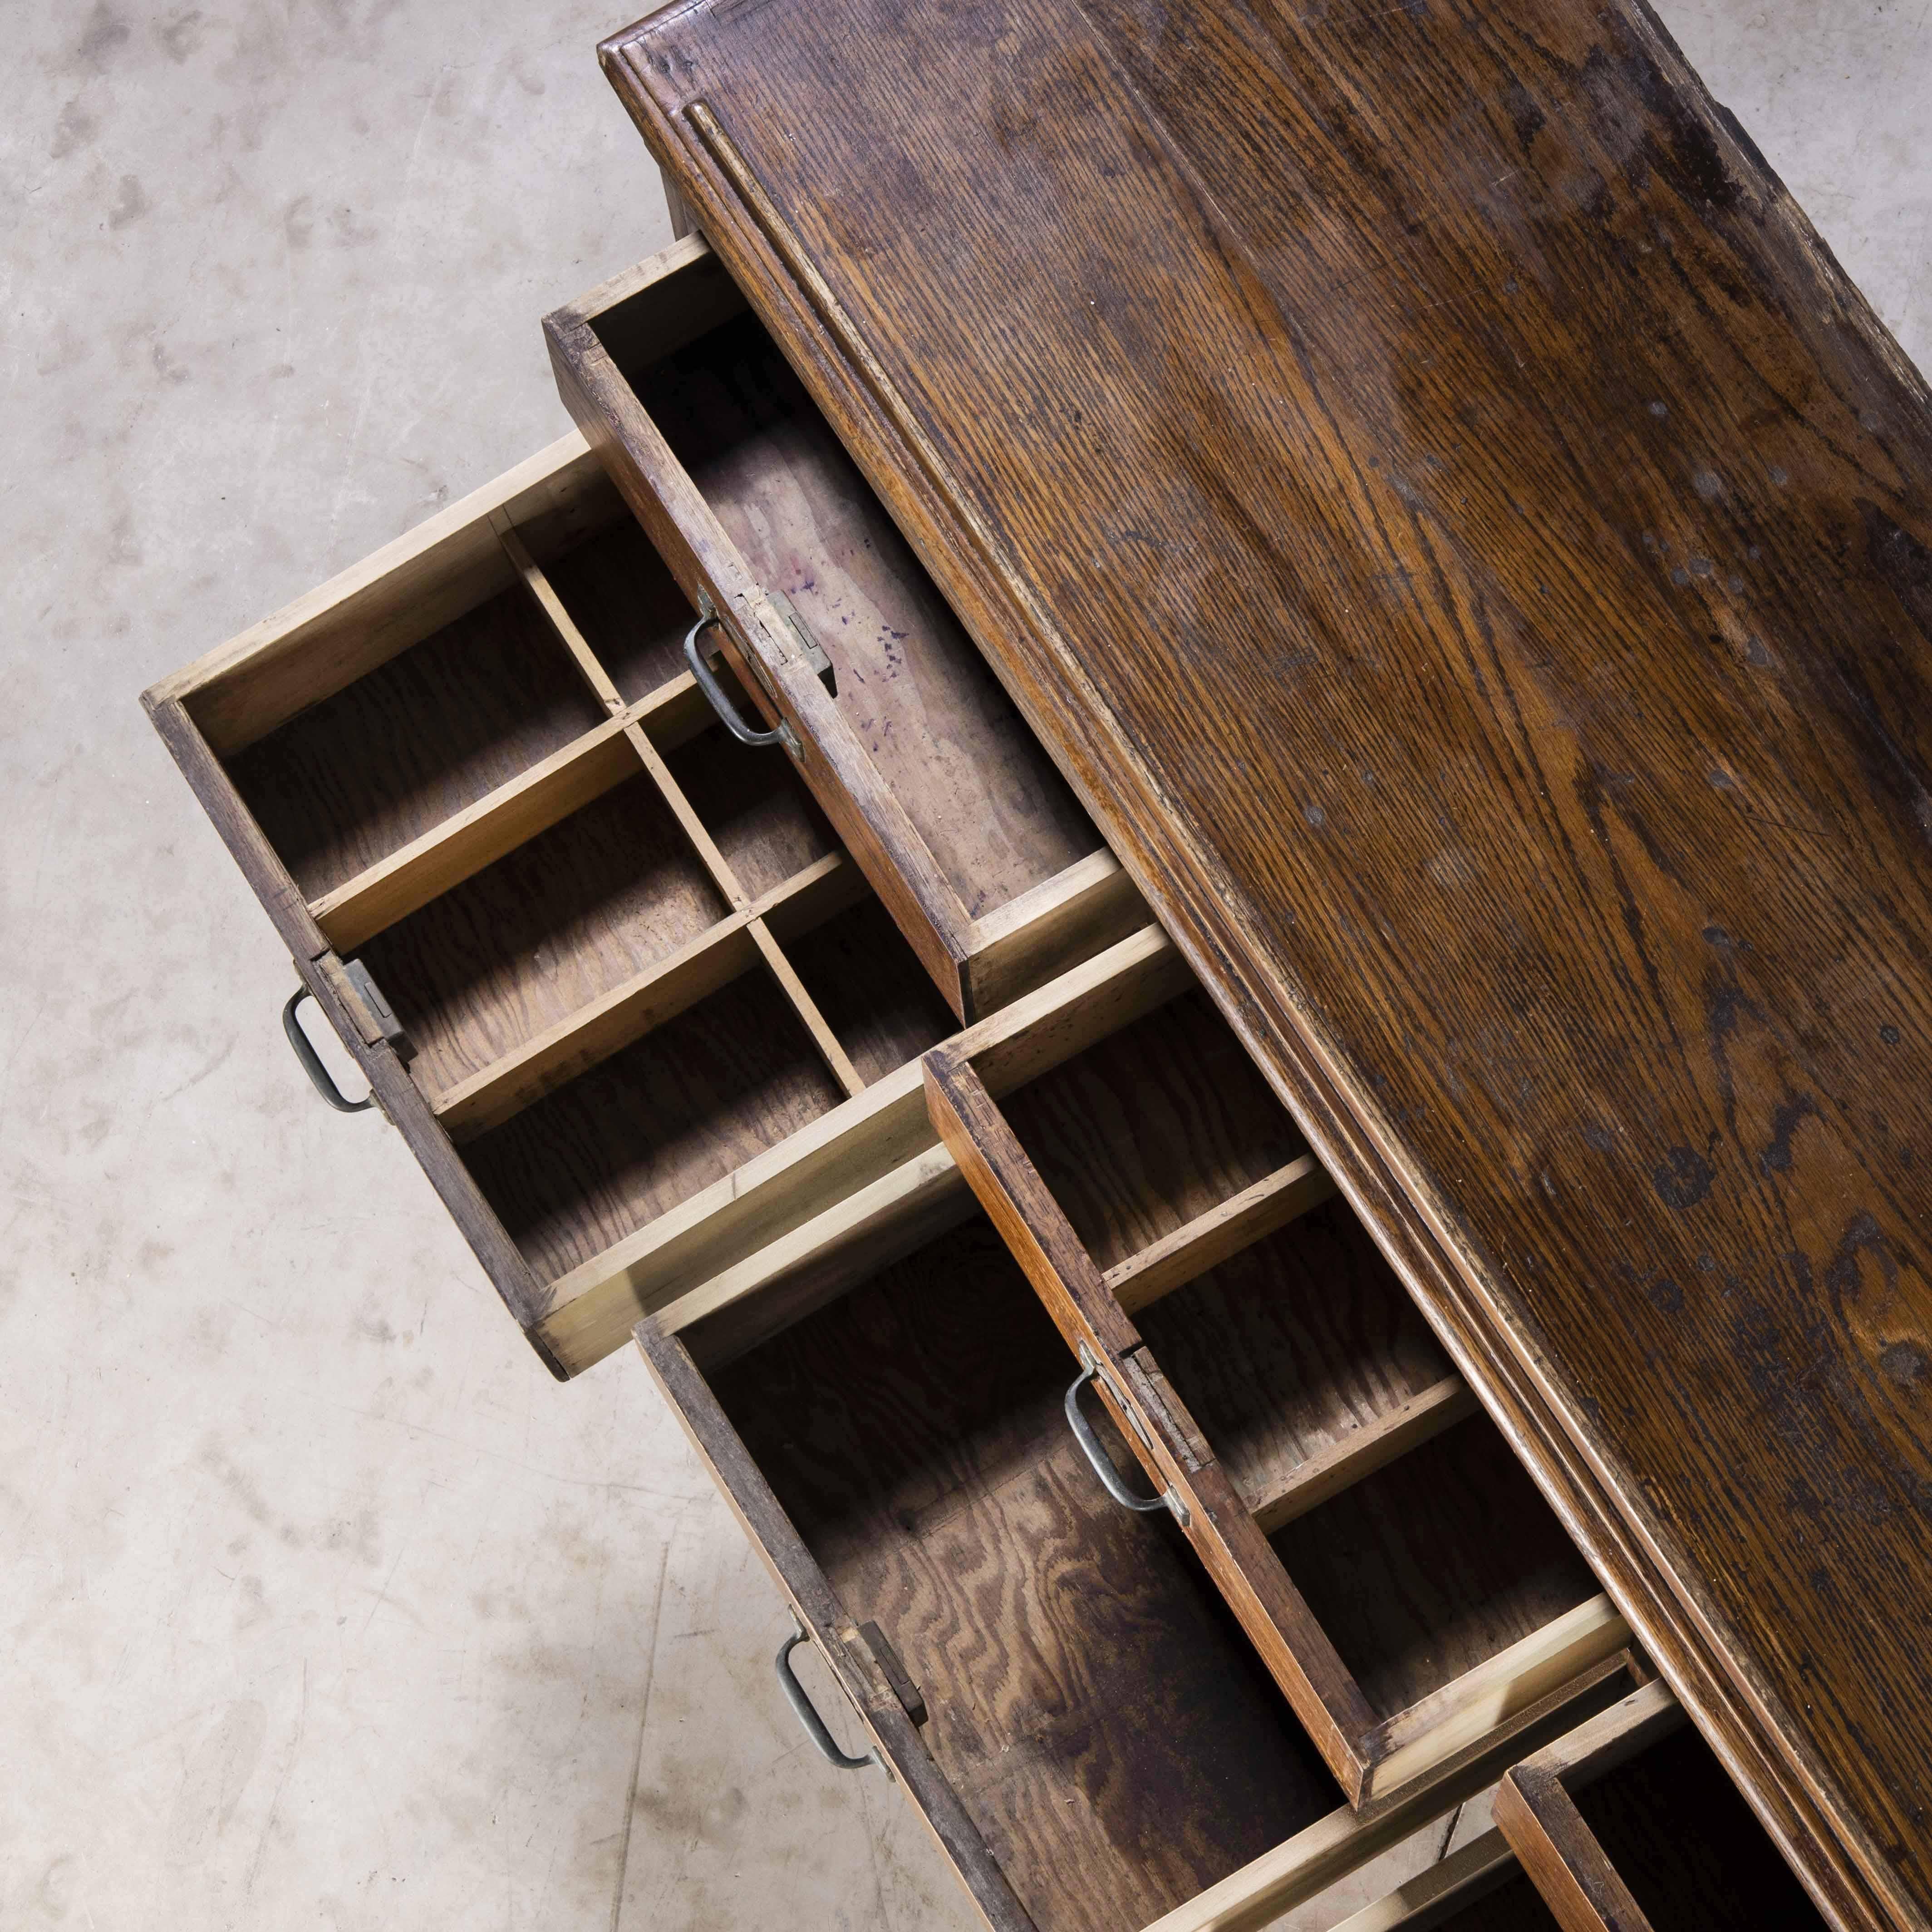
{"type": "Point", "coordinates": [1095, 1451]}
{"type": "Point", "coordinates": [801, 1704]}
{"type": "Point", "coordinates": [311, 1062]}
{"type": "Point", "coordinates": [715, 694]}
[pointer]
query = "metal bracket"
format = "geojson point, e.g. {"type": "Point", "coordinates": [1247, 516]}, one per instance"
{"type": "Point", "coordinates": [380, 1011]}
{"type": "Point", "coordinates": [822, 666]}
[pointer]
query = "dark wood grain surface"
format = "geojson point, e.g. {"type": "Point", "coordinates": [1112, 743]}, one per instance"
{"type": "Point", "coordinates": [1106, 1724]}
{"type": "Point", "coordinates": [1427, 1568]}
{"type": "Point", "coordinates": [681, 1108]}
{"type": "Point", "coordinates": [1156, 1124]}
{"type": "Point", "coordinates": [1468, 543]}
{"type": "Point", "coordinates": [869, 985]}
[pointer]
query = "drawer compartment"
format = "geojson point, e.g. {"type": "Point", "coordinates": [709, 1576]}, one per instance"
{"type": "Point", "coordinates": [575, 936]}
{"type": "Point", "coordinates": [1292, 1412]}
{"type": "Point", "coordinates": [1059, 1690]}
{"type": "Point", "coordinates": [1629, 1824]}
{"type": "Point", "coordinates": [968, 832]}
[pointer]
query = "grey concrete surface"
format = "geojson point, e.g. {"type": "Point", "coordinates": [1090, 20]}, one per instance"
{"type": "Point", "coordinates": [320, 1605]}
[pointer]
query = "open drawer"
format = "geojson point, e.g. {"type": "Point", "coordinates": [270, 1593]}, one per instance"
{"type": "Point", "coordinates": [592, 955]}
{"type": "Point", "coordinates": [1407, 1586]}
{"type": "Point", "coordinates": [1629, 1824]}
{"type": "Point", "coordinates": [1058, 1688]}
{"type": "Point", "coordinates": [935, 784]}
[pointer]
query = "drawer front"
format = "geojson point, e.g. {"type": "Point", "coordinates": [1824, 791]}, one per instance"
{"type": "Point", "coordinates": [1092, 1743]}
{"type": "Point", "coordinates": [968, 833]}
{"type": "Point", "coordinates": [1354, 1524]}
{"type": "Point", "coordinates": [1629, 1824]}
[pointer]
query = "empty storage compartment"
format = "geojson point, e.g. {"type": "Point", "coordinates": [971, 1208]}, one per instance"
{"type": "Point", "coordinates": [970, 835]}
{"type": "Point", "coordinates": [1630, 1824]}
{"type": "Point", "coordinates": [1057, 1684]}
{"type": "Point", "coordinates": [545, 898]}
{"type": "Point", "coordinates": [1413, 1596]}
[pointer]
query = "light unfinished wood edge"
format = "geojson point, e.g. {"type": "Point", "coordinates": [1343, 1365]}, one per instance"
{"type": "Point", "coordinates": [647, 1000]}
{"type": "Point", "coordinates": [1018, 946]}
{"type": "Point", "coordinates": [543, 593]}
{"type": "Point", "coordinates": [377, 608]}
{"type": "Point", "coordinates": [1444, 1889]}
{"type": "Point", "coordinates": [840, 1246]}
{"type": "Point", "coordinates": [1222, 1232]}
{"type": "Point", "coordinates": [1488, 1700]}
{"type": "Point", "coordinates": [1377, 1443]}
{"type": "Point", "coordinates": [824, 1041]}
{"type": "Point", "coordinates": [1300, 1867]}
{"type": "Point", "coordinates": [596, 304]}
{"type": "Point", "coordinates": [595, 1306]}
{"type": "Point", "coordinates": [517, 811]}
{"type": "Point", "coordinates": [1612, 1737]}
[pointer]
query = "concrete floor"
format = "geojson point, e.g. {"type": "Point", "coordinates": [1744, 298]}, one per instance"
{"type": "Point", "coordinates": [322, 1605]}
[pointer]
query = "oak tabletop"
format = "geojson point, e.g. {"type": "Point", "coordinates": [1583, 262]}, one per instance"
{"type": "Point", "coordinates": [1469, 545]}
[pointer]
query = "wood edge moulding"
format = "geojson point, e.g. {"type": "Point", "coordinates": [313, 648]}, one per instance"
{"type": "Point", "coordinates": [1627, 1544]}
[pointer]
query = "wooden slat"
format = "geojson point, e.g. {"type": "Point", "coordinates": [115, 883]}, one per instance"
{"type": "Point", "coordinates": [1495, 1693]}
{"type": "Point", "coordinates": [461, 847]}
{"type": "Point", "coordinates": [784, 1281]}
{"type": "Point", "coordinates": [692, 826]}
{"type": "Point", "coordinates": [658, 993]}
{"type": "Point", "coordinates": [826, 1042]}
{"type": "Point", "coordinates": [1377, 1442]}
{"type": "Point", "coordinates": [1021, 945]}
{"type": "Point", "coordinates": [1210, 1239]}
{"type": "Point", "coordinates": [544, 593]}
{"type": "Point", "coordinates": [1445, 1889]}
{"type": "Point", "coordinates": [595, 1306]}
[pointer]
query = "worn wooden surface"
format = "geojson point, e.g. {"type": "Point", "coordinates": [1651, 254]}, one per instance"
{"type": "Point", "coordinates": [630, 1138]}
{"type": "Point", "coordinates": [1107, 1727]}
{"type": "Point", "coordinates": [943, 734]}
{"type": "Point", "coordinates": [1290, 1347]}
{"type": "Point", "coordinates": [1151, 1126]}
{"type": "Point", "coordinates": [1468, 545]}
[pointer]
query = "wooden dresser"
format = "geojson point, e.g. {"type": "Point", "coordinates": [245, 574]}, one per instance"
{"type": "Point", "coordinates": [1403, 496]}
